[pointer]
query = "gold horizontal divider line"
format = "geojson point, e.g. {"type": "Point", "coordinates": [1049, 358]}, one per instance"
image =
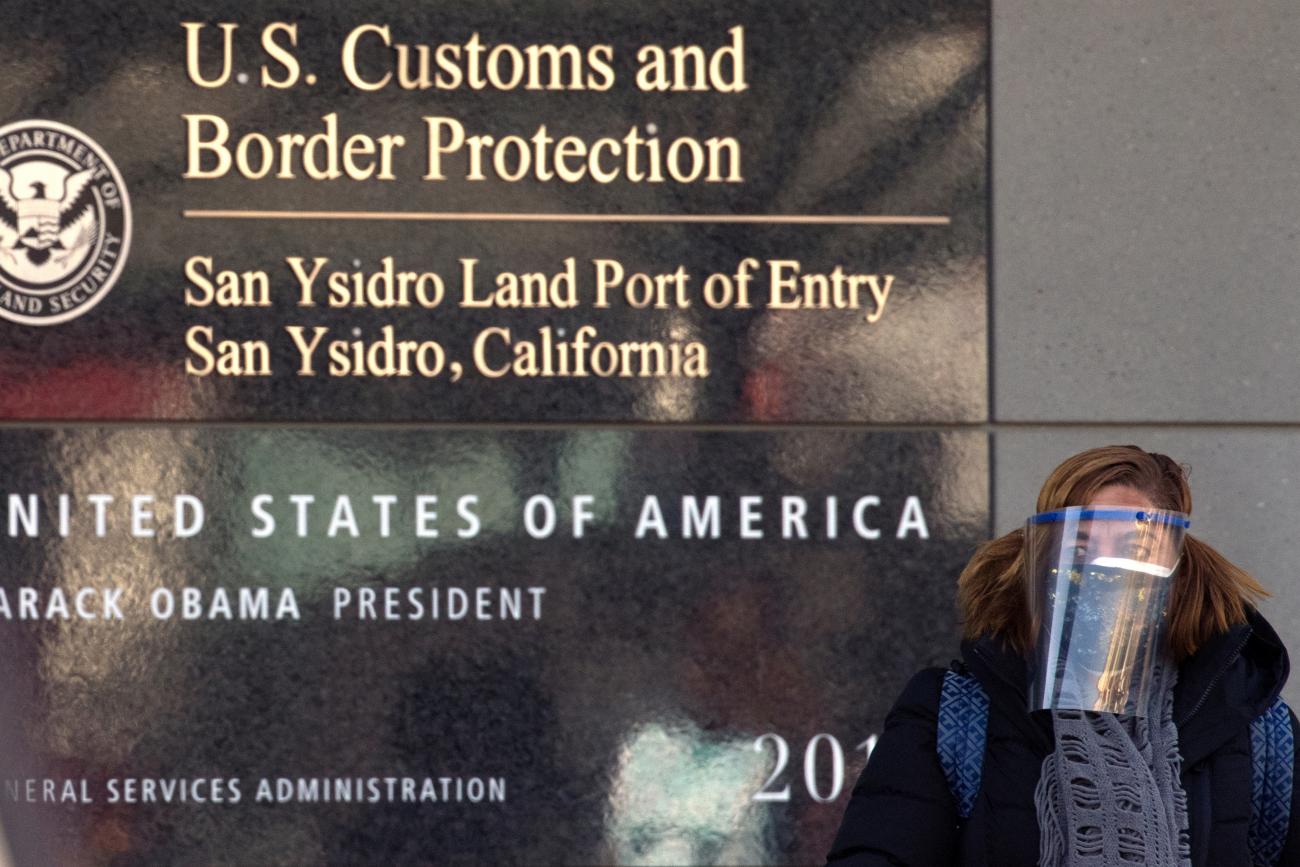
{"type": "Point", "coordinates": [498, 217]}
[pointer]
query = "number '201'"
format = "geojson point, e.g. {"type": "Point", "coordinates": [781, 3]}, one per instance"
{"type": "Point", "coordinates": [811, 754]}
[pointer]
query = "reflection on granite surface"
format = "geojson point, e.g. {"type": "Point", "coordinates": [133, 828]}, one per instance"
{"type": "Point", "coordinates": [680, 797]}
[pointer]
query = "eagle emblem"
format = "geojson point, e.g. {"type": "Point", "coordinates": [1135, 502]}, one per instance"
{"type": "Point", "coordinates": [65, 222]}
{"type": "Point", "coordinates": [41, 227]}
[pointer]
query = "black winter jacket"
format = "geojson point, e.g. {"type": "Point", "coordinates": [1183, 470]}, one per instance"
{"type": "Point", "coordinates": [902, 813]}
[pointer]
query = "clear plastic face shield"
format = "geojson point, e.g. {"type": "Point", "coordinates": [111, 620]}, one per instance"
{"type": "Point", "coordinates": [1099, 587]}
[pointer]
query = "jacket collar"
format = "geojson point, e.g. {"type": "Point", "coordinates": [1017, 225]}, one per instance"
{"type": "Point", "coordinates": [1005, 677]}
{"type": "Point", "coordinates": [1229, 681]}
{"type": "Point", "coordinates": [1232, 678]}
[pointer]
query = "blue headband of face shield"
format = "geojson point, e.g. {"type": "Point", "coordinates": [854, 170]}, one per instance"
{"type": "Point", "coordinates": [1112, 513]}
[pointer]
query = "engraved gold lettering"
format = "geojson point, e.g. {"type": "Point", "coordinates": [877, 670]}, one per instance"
{"type": "Point", "coordinates": [193, 30]}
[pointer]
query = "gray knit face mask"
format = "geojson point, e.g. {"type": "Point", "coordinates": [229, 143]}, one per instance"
{"type": "Point", "coordinates": [1099, 587]}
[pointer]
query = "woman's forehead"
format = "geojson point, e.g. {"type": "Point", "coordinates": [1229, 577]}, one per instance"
{"type": "Point", "coordinates": [1121, 495]}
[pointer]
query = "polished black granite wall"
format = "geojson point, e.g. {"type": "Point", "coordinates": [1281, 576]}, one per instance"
{"type": "Point", "coordinates": [875, 109]}
{"type": "Point", "coordinates": [659, 701]}
{"type": "Point", "coordinates": [620, 706]}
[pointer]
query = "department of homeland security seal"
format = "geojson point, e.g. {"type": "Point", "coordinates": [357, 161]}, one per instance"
{"type": "Point", "coordinates": [65, 222]}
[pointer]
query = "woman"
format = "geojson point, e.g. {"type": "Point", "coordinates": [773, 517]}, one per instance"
{"type": "Point", "coordinates": [1139, 750]}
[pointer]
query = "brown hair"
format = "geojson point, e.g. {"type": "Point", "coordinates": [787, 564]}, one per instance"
{"type": "Point", "coordinates": [1209, 595]}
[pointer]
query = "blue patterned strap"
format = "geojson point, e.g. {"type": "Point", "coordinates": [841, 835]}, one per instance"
{"type": "Point", "coordinates": [1272, 754]}
{"type": "Point", "coordinates": [963, 724]}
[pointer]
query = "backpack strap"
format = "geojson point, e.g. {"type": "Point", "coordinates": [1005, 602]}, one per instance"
{"type": "Point", "coordinates": [960, 734]}
{"type": "Point", "coordinates": [1272, 755]}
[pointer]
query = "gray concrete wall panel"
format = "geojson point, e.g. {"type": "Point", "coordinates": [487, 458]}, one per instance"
{"type": "Point", "coordinates": [1146, 191]}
